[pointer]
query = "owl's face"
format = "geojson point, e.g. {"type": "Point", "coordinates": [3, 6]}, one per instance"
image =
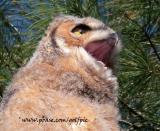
{"type": "Point", "coordinates": [98, 40]}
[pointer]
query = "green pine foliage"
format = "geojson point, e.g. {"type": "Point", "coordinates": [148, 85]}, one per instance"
{"type": "Point", "coordinates": [13, 51]}
{"type": "Point", "coordinates": [139, 75]}
{"type": "Point", "coordinates": [137, 21]}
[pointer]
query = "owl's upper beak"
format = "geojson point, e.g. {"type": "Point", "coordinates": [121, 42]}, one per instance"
{"type": "Point", "coordinates": [102, 50]}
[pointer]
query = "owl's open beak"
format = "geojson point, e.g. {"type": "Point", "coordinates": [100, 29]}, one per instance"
{"type": "Point", "coordinates": [102, 50]}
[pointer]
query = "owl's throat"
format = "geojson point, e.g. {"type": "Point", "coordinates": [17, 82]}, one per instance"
{"type": "Point", "coordinates": [102, 50]}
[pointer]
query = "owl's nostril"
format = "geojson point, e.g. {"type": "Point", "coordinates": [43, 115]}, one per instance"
{"type": "Point", "coordinates": [112, 39]}
{"type": "Point", "coordinates": [113, 35]}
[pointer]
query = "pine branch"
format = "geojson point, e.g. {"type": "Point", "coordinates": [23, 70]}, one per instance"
{"type": "Point", "coordinates": [10, 26]}
{"type": "Point", "coordinates": [146, 35]}
{"type": "Point", "coordinates": [152, 45]}
{"type": "Point", "coordinates": [139, 114]}
{"type": "Point", "coordinates": [11, 57]}
{"type": "Point", "coordinates": [130, 124]}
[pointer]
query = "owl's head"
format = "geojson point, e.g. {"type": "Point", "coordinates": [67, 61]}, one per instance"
{"type": "Point", "coordinates": [87, 36]}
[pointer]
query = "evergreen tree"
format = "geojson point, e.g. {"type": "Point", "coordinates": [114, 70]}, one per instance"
{"type": "Point", "coordinates": [138, 23]}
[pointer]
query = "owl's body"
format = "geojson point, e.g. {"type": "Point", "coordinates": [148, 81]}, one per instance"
{"type": "Point", "coordinates": [63, 87]}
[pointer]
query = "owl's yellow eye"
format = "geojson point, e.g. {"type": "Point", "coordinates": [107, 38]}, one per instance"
{"type": "Point", "coordinates": [80, 29]}
{"type": "Point", "coordinates": [78, 33]}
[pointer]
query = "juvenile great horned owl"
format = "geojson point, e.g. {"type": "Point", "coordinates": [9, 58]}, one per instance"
{"type": "Point", "coordinates": [68, 84]}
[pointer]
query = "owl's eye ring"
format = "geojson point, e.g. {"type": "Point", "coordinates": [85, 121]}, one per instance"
{"type": "Point", "coordinates": [80, 29]}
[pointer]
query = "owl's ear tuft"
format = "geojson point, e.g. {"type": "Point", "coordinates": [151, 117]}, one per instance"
{"type": "Point", "coordinates": [56, 22]}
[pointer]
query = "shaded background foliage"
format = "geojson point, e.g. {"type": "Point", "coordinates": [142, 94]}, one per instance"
{"type": "Point", "coordinates": [23, 22]}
